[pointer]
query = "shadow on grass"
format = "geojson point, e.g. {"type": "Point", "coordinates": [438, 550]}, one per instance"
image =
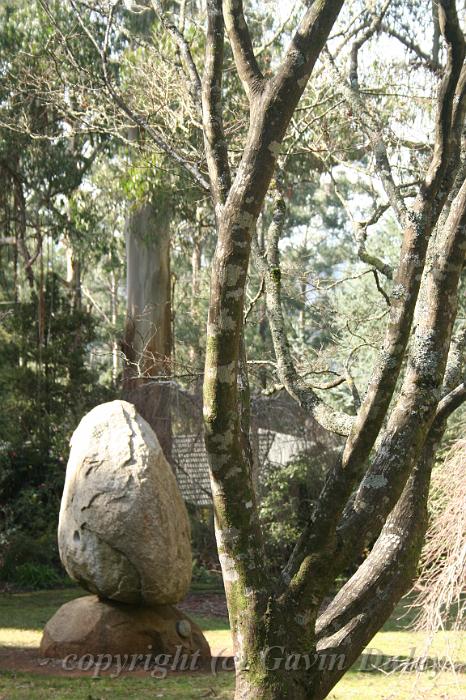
{"type": "Point", "coordinates": [31, 611]}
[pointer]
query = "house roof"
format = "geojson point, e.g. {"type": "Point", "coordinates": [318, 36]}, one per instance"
{"type": "Point", "coordinates": [189, 458]}
{"type": "Point", "coordinates": [191, 466]}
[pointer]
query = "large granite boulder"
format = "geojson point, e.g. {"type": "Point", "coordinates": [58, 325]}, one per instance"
{"type": "Point", "coordinates": [90, 626]}
{"type": "Point", "coordinates": [123, 531]}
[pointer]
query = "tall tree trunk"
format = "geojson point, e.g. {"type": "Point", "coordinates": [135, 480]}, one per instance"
{"type": "Point", "coordinates": [147, 340]}
{"type": "Point", "coordinates": [73, 276]}
{"type": "Point", "coordinates": [114, 279]}
{"type": "Point", "coordinates": [195, 270]}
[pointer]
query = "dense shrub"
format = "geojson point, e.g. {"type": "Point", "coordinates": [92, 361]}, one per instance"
{"type": "Point", "coordinates": [46, 386]}
{"type": "Point", "coordinates": [287, 494]}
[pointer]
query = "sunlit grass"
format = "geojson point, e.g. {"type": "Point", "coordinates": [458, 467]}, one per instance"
{"type": "Point", "coordinates": [355, 686]}
{"type": "Point", "coordinates": [23, 616]}
{"type": "Point", "coordinates": [12, 637]}
{"type": "Point", "coordinates": [399, 686]}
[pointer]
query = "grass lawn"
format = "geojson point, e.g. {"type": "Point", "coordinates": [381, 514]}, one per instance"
{"type": "Point", "coordinates": [22, 617]}
{"type": "Point", "coordinates": [354, 687]}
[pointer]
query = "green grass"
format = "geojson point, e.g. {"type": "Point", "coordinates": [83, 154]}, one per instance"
{"type": "Point", "coordinates": [27, 687]}
{"type": "Point", "coordinates": [355, 686]}
{"type": "Point", "coordinates": [23, 616]}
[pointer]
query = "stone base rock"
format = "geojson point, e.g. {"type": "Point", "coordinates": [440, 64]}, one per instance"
{"type": "Point", "coordinates": [89, 625]}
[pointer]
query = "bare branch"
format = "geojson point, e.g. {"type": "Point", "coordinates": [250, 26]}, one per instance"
{"type": "Point", "coordinates": [380, 288]}
{"type": "Point", "coordinates": [374, 132]}
{"type": "Point", "coordinates": [255, 299]}
{"type": "Point", "coordinates": [360, 234]}
{"type": "Point", "coordinates": [183, 46]}
{"type": "Point", "coordinates": [451, 401]}
{"type": "Point", "coordinates": [431, 63]}
{"type": "Point", "coordinates": [372, 29]}
{"type": "Point", "coordinates": [243, 52]}
{"type": "Point", "coordinates": [297, 387]}
{"type": "Point", "coordinates": [118, 99]}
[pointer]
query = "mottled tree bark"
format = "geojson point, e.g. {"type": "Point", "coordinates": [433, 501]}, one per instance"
{"type": "Point", "coordinates": [256, 622]}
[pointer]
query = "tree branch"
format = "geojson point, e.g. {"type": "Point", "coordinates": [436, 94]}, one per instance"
{"type": "Point", "coordinates": [374, 131]}
{"type": "Point", "coordinates": [431, 63]}
{"type": "Point", "coordinates": [421, 389]}
{"type": "Point", "coordinates": [368, 598]}
{"type": "Point", "coordinates": [404, 294]}
{"type": "Point", "coordinates": [183, 46]}
{"type": "Point", "coordinates": [360, 234]}
{"type": "Point", "coordinates": [406, 428]}
{"type": "Point", "coordinates": [451, 402]}
{"type": "Point", "coordinates": [214, 135]}
{"type": "Point", "coordinates": [297, 387]}
{"type": "Point", "coordinates": [241, 44]}
{"type": "Point", "coordinates": [452, 104]}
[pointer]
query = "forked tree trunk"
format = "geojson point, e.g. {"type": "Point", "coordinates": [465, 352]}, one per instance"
{"type": "Point", "coordinates": [281, 613]}
{"type": "Point", "coordinates": [147, 340]}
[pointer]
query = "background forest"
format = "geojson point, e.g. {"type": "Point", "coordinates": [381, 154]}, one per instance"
{"type": "Point", "coordinates": [85, 195]}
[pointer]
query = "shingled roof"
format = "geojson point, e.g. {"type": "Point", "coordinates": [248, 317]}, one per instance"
{"type": "Point", "coordinates": [191, 467]}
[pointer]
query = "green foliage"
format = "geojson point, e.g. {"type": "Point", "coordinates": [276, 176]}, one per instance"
{"type": "Point", "coordinates": [288, 493]}
{"type": "Point", "coordinates": [44, 379]}
{"type": "Point", "coordinates": [36, 576]}
{"type": "Point", "coordinates": [207, 578]}
{"type": "Point", "coordinates": [46, 387]}
{"type": "Point", "coordinates": [32, 561]}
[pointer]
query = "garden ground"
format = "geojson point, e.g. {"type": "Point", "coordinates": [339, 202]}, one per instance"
{"type": "Point", "coordinates": [23, 675]}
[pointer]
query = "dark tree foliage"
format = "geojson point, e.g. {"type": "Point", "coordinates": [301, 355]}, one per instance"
{"type": "Point", "coordinates": [46, 387]}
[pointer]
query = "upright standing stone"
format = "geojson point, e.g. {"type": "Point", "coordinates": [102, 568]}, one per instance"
{"type": "Point", "coordinates": [123, 531]}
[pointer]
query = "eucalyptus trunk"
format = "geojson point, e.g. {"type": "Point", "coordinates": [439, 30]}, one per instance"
{"type": "Point", "coordinates": [147, 343]}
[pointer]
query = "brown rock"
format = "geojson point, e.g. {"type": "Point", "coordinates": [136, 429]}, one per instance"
{"type": "Point", "coordinates": [88, 625]}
